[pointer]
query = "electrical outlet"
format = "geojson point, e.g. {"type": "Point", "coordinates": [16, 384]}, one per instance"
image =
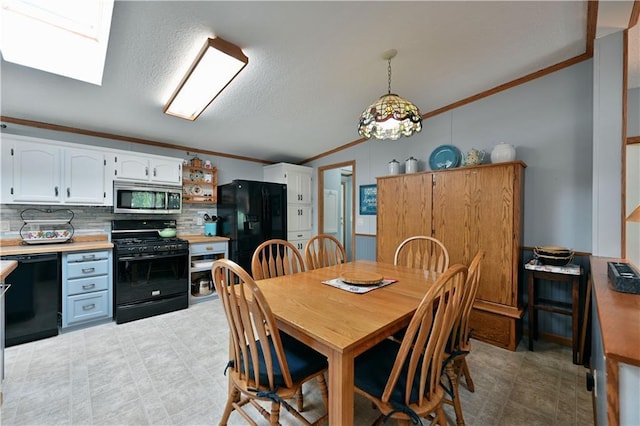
{"type": "Point", "coordinates": [4, 226]}
{"type": "Point", "coordinates": [200, 221]}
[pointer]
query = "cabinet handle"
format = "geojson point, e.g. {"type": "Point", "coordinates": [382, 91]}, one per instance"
{"type": "Point", "coordinates": [88, 286]}
{"type": "Point", "coordinates": [155, 172]}
{"type": "Point", "coordinates": [209, 248]}
{"type": "Point", "coordinates": [68, 192]}
{"type": "Point", "coordinates": [56, 191]}
{"type": "Point", "coordinates": [299, 235]}
{"type": "Point", "coordinates": [146, 171]}
{"type": "Point", "coordinates": [88, 270]}
{"type": "Point", "coordinates": [88, 257]}
{"type": "Point", "coordinates": [88, 307]}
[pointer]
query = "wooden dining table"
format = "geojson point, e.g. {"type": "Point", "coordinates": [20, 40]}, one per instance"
{"type": "Point", "coordinates": [341, 324]}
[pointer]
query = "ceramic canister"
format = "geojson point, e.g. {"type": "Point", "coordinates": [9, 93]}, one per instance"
{"type": "Point", "coordinates": [394, 167]}
{"type": "Point", "coordinates": [411, 165]}
{"type": "Point", "coordinates": [503, 152]}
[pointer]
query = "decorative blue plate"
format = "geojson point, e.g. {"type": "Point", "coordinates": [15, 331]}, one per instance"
{"type": "Point", "coordinates": [445, 157]}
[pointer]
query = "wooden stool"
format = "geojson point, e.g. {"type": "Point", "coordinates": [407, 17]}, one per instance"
{"type": "Point", "coordinates": [564, 274]}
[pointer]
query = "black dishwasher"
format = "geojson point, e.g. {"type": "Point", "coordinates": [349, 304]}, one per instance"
{"type": "Point", "coordinates": [31, 305]}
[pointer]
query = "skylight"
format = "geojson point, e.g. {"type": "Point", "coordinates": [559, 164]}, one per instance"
{"type": "Point", "coordinates": [65, 37]}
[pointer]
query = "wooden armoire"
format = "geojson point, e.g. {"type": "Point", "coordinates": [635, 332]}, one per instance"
{"type": "Point", "coordinates": [466, 208]}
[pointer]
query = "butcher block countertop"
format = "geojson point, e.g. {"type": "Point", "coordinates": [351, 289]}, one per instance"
{"type": "Point", "coordinates": [7, 267]}
{"type": "Point", "coordinates": [619, 315]}
{"type": "Point", "coordinates": [79, 243]}
{"type": "Point", "coordinates": [194, 239]}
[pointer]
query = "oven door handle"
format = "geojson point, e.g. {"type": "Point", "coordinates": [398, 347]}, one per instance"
{"type": "Point", "coordinates": [151, 256]}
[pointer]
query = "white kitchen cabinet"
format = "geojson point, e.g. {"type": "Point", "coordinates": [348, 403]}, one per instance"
{"type": "Point", "coordinates": [37, 171]}
{"type": "Point", "coordinates": [298, 217]}
{"type": "Point", "coordinates": [299, 202]}
{"type": "Point", "coordinates": [150, 168]}
{"type": "Point", "coordinates": [86, 288]}
{"type": "Point", "coordinates": [84, 177]}
{"type": "Point", "coordinates": [299, 239]}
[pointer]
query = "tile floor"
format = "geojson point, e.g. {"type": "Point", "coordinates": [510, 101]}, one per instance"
{"type": "Point", "coordinates": [168, 370]}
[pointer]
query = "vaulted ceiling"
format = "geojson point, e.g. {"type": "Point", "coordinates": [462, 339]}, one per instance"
{"type": "Point", "coordinates": [313, 67]}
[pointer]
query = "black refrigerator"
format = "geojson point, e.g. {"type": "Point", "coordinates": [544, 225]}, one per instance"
{"type": "Point", "coordinates": [249, 213]}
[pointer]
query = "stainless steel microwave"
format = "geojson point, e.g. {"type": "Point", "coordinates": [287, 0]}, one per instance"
{"type": "Point", "coordinates": [134, 197]}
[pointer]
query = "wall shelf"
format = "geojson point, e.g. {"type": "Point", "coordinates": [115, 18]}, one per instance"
{"type": "Point", "coordinates": [199, 185]}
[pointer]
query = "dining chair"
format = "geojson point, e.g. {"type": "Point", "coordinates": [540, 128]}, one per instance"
{"type": "Point", "coordinates": [422, 252]}
{"type": "Point", "coordinates": [274, 258]}
{"type": "Point", "coordinates": [459, 344]}
{"type": "Point", "coordinates": [324, 250]}
{"type": "Point", "coordinates": [265, 364]}
{"type": "Point", "coordinates": [403, 380]}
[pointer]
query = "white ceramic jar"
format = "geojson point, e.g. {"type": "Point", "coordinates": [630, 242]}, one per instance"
{"type": "Point", "coordinates": [411, 165]}
{"type": "Point", "coordinates": [394, 167]}
{"type": "Point", "coordinates": [503, 152]}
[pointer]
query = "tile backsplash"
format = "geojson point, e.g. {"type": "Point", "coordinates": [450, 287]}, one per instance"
{"type": "Point", "coordinates": [97, 219]}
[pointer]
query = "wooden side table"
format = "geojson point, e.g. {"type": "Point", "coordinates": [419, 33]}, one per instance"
{"type": "Point", "coordinates": [563, 274]}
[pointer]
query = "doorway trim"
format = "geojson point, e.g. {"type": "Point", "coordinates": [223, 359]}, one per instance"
{"type": "Point", "coordinates": [321, 171]}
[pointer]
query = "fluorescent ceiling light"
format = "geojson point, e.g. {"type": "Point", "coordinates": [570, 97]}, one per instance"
{"type": "Point", "coordinates": [217, 63]}
{"type": "Point", "coordinates": [63, 37]}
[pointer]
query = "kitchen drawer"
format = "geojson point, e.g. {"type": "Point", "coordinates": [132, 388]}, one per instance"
{"type": "Point", "coordinates": [86, 285]}
{"type": "Point", "coordinates": [87, 269]}
{"type": "Point", "coordinates": [84, 307]}
{"type": "Point", "coordinates": [200, 249]}
{"type": "Point", "coordinates": [87, 256]}
{"type": "Point", "coordinates": [298, 235]}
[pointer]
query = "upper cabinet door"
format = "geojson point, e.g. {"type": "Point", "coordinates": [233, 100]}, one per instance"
{"type": "Point", "coordinates": [166, 171]}
{"type": "Point", "coordinates": [132, 167]}
{"type": "Point", "coordinates": [84, 173]}
{"type": "Point", "coordinates": [36, 173]}
{"type": "Point", "coordinates": [147, 168]}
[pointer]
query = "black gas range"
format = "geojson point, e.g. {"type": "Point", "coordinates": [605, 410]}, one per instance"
{"type": "Point", "coordinates": [150, 272]}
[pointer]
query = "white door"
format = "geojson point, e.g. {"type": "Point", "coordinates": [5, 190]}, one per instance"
{"type": "Point", "coordinates": [132, 167]}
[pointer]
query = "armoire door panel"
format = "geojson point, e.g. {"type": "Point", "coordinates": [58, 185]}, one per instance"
{"type": "Point", "coordinates": [417, 206]}
{"type": "Point", "coordinates": [452, 213]}
{"type": "Point", "coordinates": [391, 200]}
{"type": "Point", "coordinates": [495, 206]}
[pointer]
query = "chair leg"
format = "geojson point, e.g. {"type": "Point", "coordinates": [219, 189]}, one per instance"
{"type": "Point", "coordinates": [440, 418]}
{"type": "Point", "coordinates": [457, 406]}
{"type": "Point", "coordinates": [324, 390]}
{"type": "Point", "coordinates": [467, 375]}
{"type": "Point", "coordinates": [274, 419]}
{"type": "Point", "coordinates": [300, 399]}
{"type": "Point", "coordinates": [233, 396]}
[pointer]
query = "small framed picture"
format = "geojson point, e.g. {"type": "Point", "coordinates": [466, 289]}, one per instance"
{"type": "Point", "coordinates": [368, 199]}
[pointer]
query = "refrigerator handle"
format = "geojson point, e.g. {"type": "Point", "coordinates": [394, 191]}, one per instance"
{"type": "Point", "coordinates": [266, 214]}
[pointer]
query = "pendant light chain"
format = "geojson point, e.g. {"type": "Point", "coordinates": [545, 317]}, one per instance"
{"type": "Point", "coordinates": [391, 116]}
{"type": "Point", "coordinates": [389, 75]}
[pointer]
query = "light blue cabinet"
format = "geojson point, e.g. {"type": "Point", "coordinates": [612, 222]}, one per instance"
{"type": "Point", "coordinates": [86, 288]}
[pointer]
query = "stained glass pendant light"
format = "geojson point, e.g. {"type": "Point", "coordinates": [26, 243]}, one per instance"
{"type": "Point", "coordinates": [390, 116]}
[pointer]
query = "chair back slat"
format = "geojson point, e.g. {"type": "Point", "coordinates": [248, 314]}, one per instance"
{"type": "Point", "coordinates": [422, 348]}
{"type": "Point", "coordinates": [461, 330]}
{"type": "Point", "coordinates": [274, 258]}
{"type": "Point", "coordinates": [324, 250]}
{"type": "Point", "coordinates": [422, 252]}
{"type": "Point", "coordinates": [250, 323]}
